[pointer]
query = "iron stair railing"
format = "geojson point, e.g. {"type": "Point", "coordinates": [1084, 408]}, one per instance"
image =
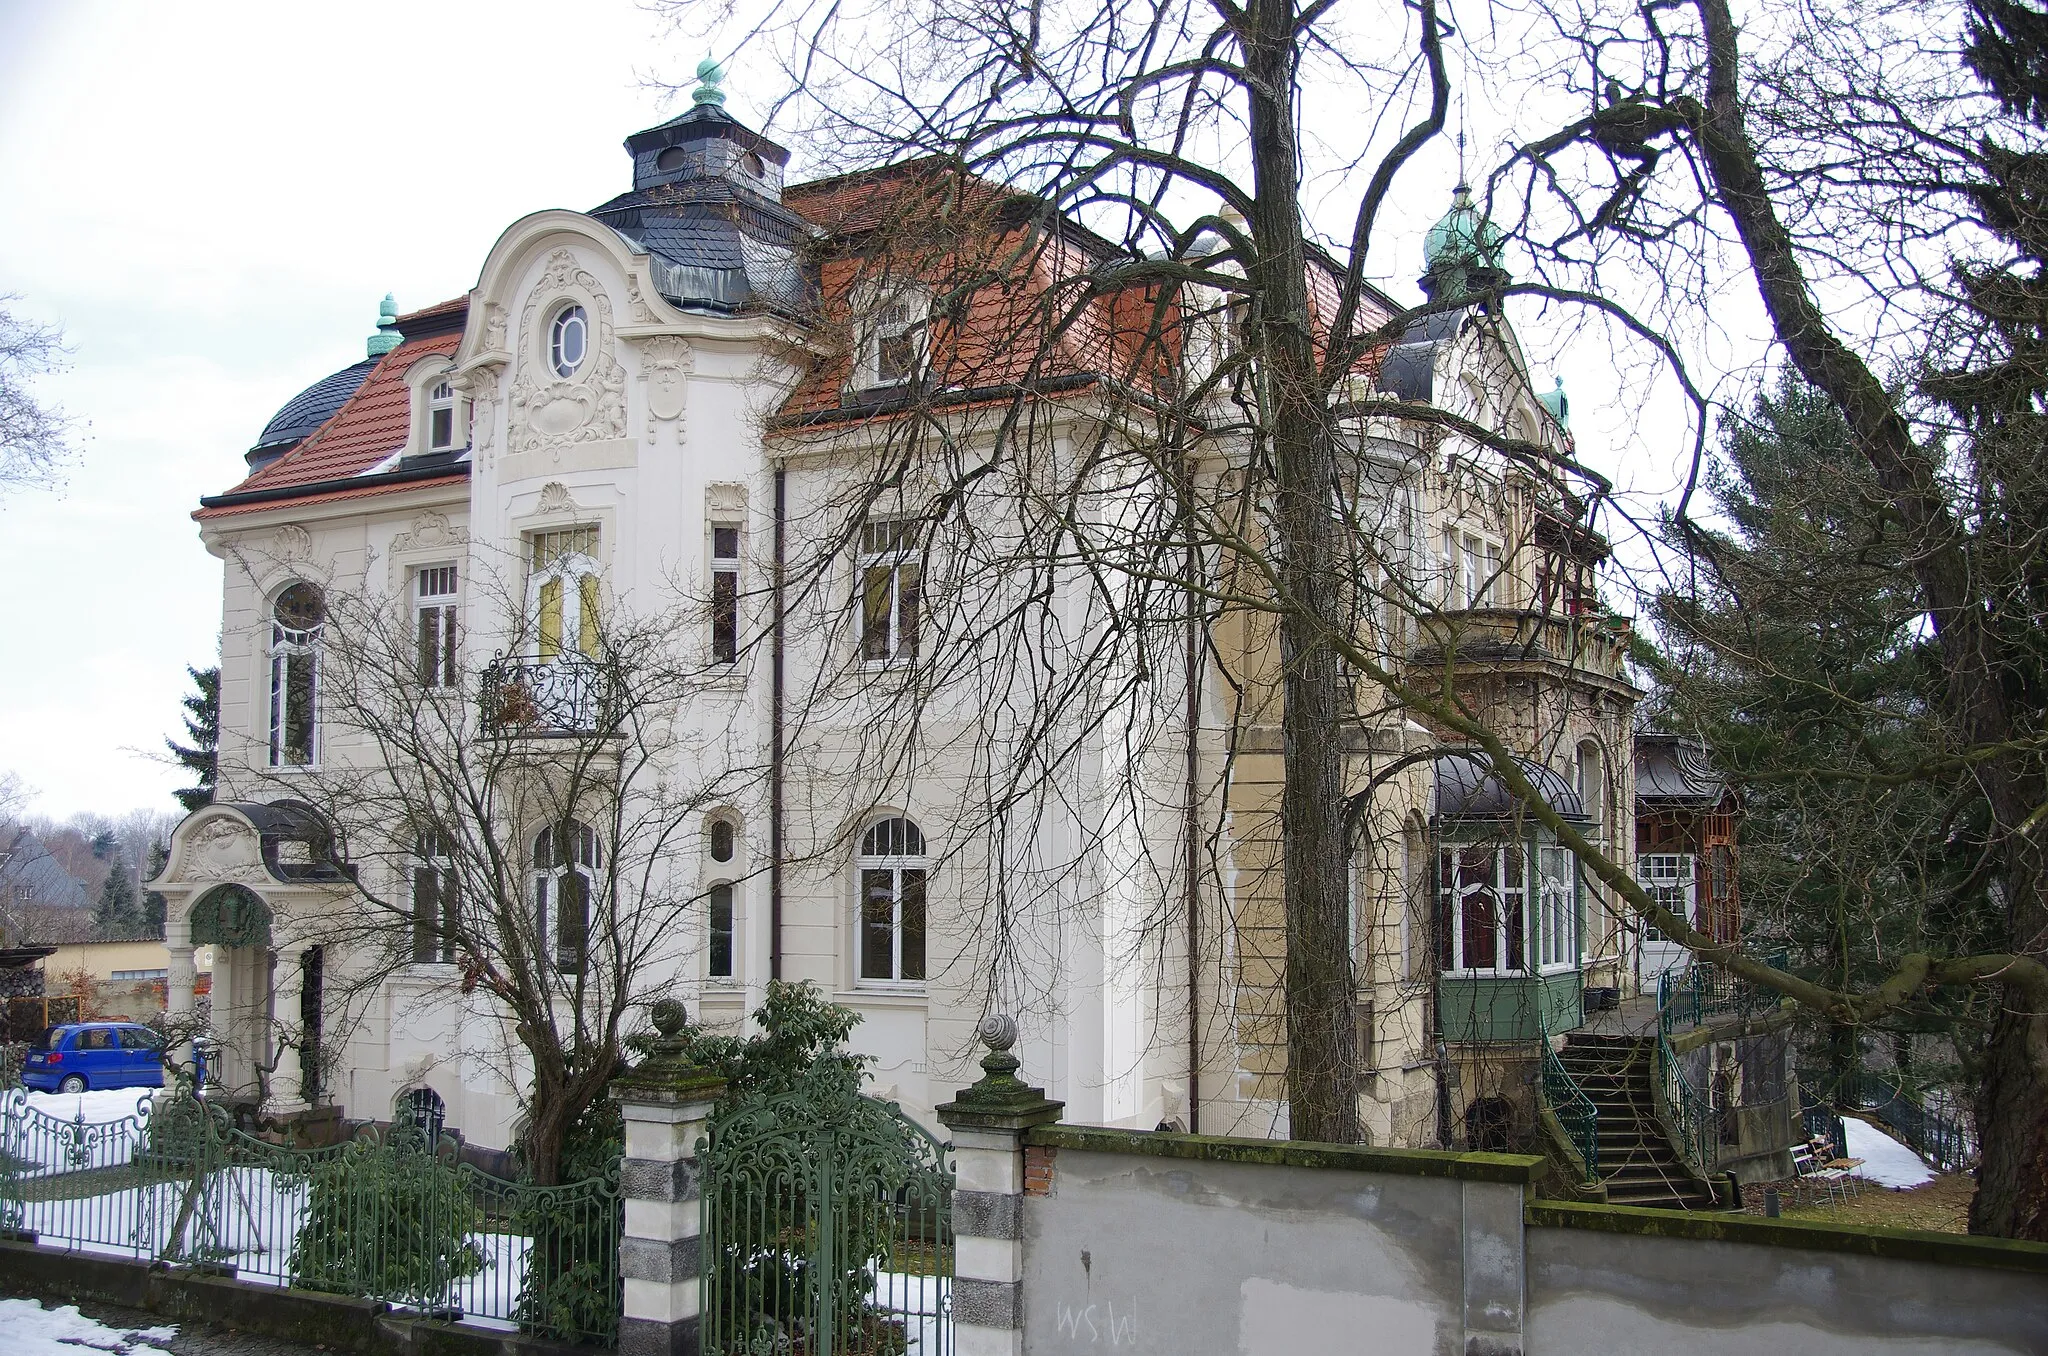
{"type": "Point", "coordinates": [1574, 1110]}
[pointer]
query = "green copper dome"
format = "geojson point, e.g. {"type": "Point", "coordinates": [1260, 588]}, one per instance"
{"type": "Point", "coordinates": [1462, 236]}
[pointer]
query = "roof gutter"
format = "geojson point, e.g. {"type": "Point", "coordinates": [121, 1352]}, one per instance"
{"type": "Point", "coordinates": [404, 475]}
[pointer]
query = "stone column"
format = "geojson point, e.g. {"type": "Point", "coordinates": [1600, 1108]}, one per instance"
{"type": "Point", "coordinates": [287, 1091]}
{"type": "Point", "coordinates": [988, 1122]}
{"type": "Point", "coordinates": [666, 1102]}
{"type": "Point", "coordinates": [179, 983]}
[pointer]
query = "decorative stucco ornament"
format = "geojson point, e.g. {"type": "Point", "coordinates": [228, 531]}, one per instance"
{"type": "Point", "coordinates": [590, 403]}
{"type": "Point", "coordinates": [231, 915]}
{"type": "Point", "coordinates": [665, 366]}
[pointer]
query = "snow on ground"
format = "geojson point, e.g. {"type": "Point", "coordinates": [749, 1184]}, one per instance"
{"type": "Point", "coordinates": [33, 1330]}
{"type": "Point", "coordinates": [1885, 1161]}
{"type": "Point", "coordinates": [49, 1135]}
{"type": "Point", "coordinates": [113, 1104]}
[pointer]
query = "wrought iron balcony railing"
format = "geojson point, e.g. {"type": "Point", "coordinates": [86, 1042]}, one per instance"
{"type": "Point", "coordinates": [568, 694]}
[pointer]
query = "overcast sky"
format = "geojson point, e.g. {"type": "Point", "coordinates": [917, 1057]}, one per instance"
{"type": "Point", "coordinates": [212, 200]}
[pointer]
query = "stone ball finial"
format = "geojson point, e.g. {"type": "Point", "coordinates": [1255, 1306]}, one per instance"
{"type": "Point", "coordinates": [670, 1017]}
{"type": "Point", "coordinates": [998, 1031]}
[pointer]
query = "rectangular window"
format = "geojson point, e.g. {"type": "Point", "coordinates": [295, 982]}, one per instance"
{"type": "Point", "coordinates": [434, 624]}
{"type": "Point", "coordinates": [1558, 907]}
{"type": "Point", "coordinates": [892, 923]}
{"type": "Point", "coordinates": [720, 950]}
{"type": "Point", "coordinates": [1481, 908]}
{"type": "Point", "coordinates": [138, 976]}
{"type": "Point", "coordinates": [895, 344]}
{"type": "Point", "coordinates": [433, 903]}
{"type": "Point", "coordinates": [1478, 569]}
{"type": "Point", "coordinates": [890, 583]}
{"type": "Point", "coordinates": [441, 417]}
{"type": "Point", "coordinates": [725, 593]}
{"type": "Point", "coordinates": [572, 922]}
{"type": "Point", "coordinates": [294, 670]}
{"type": "Point", "coordinates": [1667, 877]}
{"type": "Point", "coordinates": [562, 589]}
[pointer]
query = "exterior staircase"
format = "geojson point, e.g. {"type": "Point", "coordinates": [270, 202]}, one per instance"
{"type": "Point", "coordinates": [1638, 1161]}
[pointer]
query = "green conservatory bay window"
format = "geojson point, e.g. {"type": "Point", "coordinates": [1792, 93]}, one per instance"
{"type": "Point", "coordinates": [1488, 916]}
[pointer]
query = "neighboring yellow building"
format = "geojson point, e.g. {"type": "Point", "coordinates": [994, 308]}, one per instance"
{"type": "Point", "coordinates": [121, 968]}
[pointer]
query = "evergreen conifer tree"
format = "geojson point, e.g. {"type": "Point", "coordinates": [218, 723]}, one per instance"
{"type": "Point", "coordinates": [202, 727]}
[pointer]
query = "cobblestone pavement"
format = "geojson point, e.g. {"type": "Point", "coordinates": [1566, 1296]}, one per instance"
{"type": "Point", "coordinates": [193, 1339]}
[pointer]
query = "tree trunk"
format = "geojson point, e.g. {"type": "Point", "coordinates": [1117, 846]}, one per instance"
{"type": "Point", "coordinates": [2012, 1130]}
{"type": "Point", "coordinates": [1321, 997]}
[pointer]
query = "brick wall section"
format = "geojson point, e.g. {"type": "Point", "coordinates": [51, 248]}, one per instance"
{"type": "Point", "coordinates": [1038, 1170]}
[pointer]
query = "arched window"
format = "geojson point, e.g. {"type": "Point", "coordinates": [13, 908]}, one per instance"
{"type": "Point", "coordinates": [566, 857]}
{"type": "Point", "coordinates": [433, 900]}
{"type": "Point", "coordinates": [891, 870]}
{"type": "Point", "coordinates": [568, 340]}
{"type": "Point", "coordinates": [1591, 779]}
{"type": "Point", "coordinates": [295, 623]}
{"type": "Point", "coordinates": [721, 836]}
{"type": "Point", "coordinates": [562, 591]}
{"type": "Point", "coordinates": [420, 1112]}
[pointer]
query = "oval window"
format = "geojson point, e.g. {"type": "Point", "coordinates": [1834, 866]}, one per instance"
{"type": "Point", "coordinates": [301, 607]}
{"type": "Point", "coordinates": [721, 840]}
{"type": "Point", "coordinates": [568, 340]}
{"type": "Point", "coordinates": [670, 160]}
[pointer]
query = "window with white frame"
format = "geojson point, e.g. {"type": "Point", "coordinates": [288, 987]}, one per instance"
{"type": "Point", "coordinates": [1557, 907]}
{"type": "Point", "coordinates": [891, 871]}
{"type": "Point", "coordinates": [433, 900]}
{"type": "Point", "coordinates": [725, 593]}
{"type": "Point", "coordinates": [568, 340]}
{"type": "Point", "coordinates": [718, 959]}
{"type": "Point", "coordinates": [296, 621]}
{"type": "Point", "coordinates": [890, 590]}
{"type": "Point", "coordinates": [1481, 901]}
{"type": "Point", "coordinates": [562, 592]}
{"type": "Point", "coordinates": [566, 858]}
{"type": "Point", "coordinates": [1668, 878]}
{"type": "Point", "coordinates": [433, 610]}
{"type": "Point", "coordinates": [441, 416]}
{"type": "Point", "coordinates": [892, 338]}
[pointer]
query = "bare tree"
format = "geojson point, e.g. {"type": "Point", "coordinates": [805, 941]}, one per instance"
{"type": "Point", "coordinates": [35, 436]}
{"type": "Point", "coordinates": [1157, 157]}
{"type": "Point", "coordinates": [517, 822]}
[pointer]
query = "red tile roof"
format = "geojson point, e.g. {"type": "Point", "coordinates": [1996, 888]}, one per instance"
{"type": "Point", "coordinates": [370, 425]}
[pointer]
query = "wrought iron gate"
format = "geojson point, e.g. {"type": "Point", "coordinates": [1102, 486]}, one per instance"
{"type": "Point", "coordinates": [827, 1230]}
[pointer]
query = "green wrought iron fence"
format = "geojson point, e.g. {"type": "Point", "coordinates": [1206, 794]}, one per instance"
{"type": "Point", "coordinates": [1574, 1110]}
{"type": "Point", "coordinates": [827, 1230]}
{"type": "Point", "coordinates": [380, 1217]}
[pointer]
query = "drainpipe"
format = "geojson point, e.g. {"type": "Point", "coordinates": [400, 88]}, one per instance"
{"type": "Point", "coordinates": [776, 645]}
{"type": "Point", "coordinates": [1191, 851]}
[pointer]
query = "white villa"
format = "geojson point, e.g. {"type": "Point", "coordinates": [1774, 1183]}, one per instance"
{"type": "Point", "coordinates": [673, 404]}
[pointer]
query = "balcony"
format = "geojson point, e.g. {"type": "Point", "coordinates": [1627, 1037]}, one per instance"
{"type": "Point", "coordinates": [1587, 642]}
{"type": "Point", "coordinates": [566, 695]}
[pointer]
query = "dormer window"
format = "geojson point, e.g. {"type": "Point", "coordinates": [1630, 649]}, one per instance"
{"type": "Point", "coordinates": [441, 417]}
{"type": "Point", "coordinates": [892, 346]}
{"type": "Point", "coordinates": [568, 341]}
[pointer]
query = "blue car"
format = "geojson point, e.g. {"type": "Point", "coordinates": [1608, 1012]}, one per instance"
{"type": "Point", "coordinates": [89, 1056]}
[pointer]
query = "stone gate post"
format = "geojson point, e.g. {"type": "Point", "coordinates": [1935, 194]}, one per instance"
{"type": "Point", "coordinates": [666, 1102]}
{"type": "Point", "coordinates": [988, 1122]}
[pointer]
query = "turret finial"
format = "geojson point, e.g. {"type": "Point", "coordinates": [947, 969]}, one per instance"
{"type": "Point", "coordinates": [709, 75]}
{"type": "Point", "coordinates": [387, 336]}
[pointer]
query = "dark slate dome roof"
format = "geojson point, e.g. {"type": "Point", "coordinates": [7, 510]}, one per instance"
{"type": "Point", "coordinates": [1466, 788]}
{"type": "Point", "coordinates": [305, 412]}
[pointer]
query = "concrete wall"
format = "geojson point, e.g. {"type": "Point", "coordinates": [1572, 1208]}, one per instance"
{"type": "Point", "coordinates": [1642, 1280]}
{"type": "Point", "coordinates": [1139, 1243]}
{"type": "Point", "coordinates": [1207, 1245]}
